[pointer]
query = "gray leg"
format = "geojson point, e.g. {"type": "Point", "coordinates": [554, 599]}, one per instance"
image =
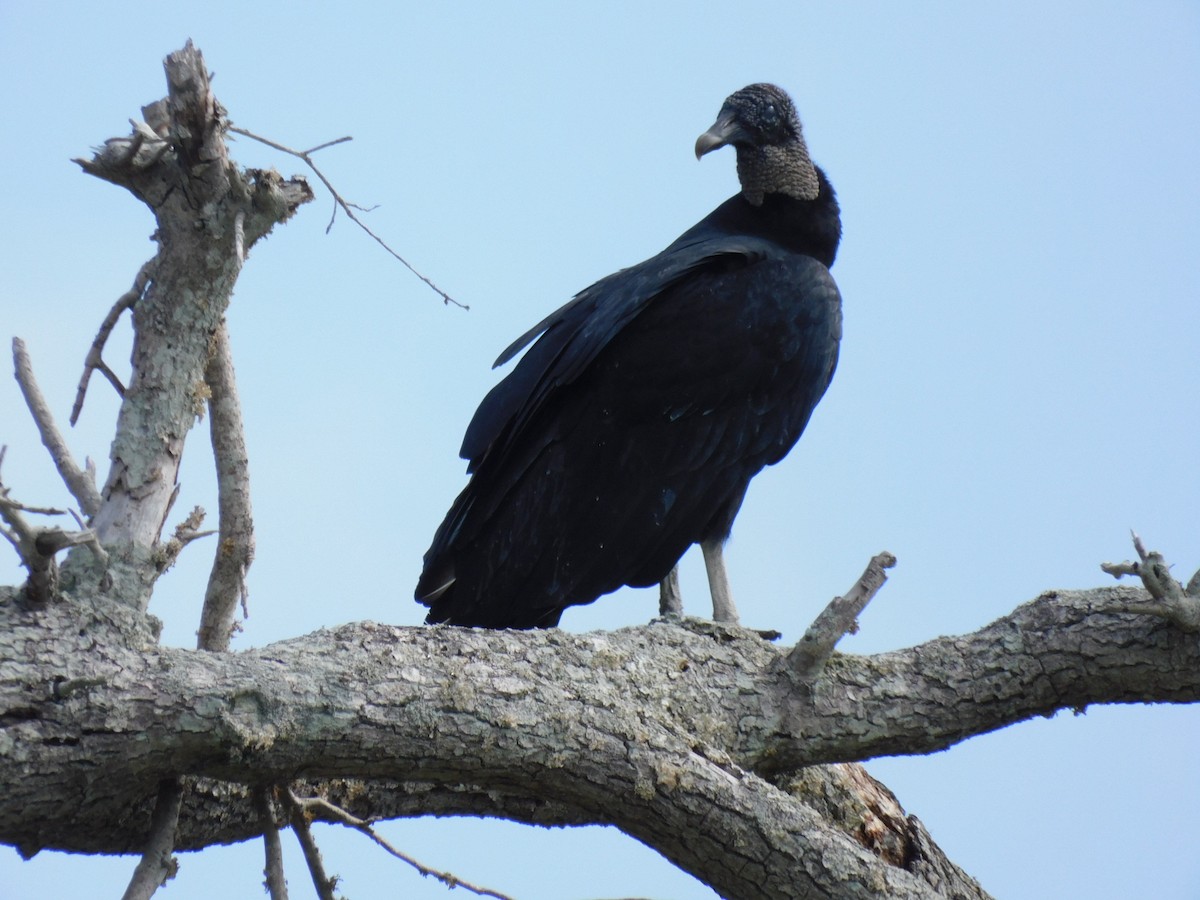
{"type": "Point", "coordinates": [724, 609]}
{"type": "Point", "coordinates": [670, 601]}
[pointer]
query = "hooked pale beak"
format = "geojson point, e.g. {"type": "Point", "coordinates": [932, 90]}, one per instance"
{"type": "Point", "coordinates": [726, 130]}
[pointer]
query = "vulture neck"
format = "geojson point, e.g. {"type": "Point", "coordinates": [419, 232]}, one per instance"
{"type": "Point", "coordinates": [775, 169]}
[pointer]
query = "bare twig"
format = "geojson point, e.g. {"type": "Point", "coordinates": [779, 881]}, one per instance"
{"type": "Point", "coordinates": [838, 619]}
{"type": "Point", "coordinates": [340, 815]}
{"type": "Point", "coordinates": [10, 511]}
{"type": "Point", "coordinates": [78, 481]}
{"type": "Point", "coordinates": [185, 532]}
{"type": "Point", "coordinates": [339, 201]}
{"type": "Point", "coordinates": [235, 544]}
{"type": "Point", "coordinates": [36, 510]}
{"type": "Point", "coordinates": [275, 883]}
{"type": "Point", "coordinates": [312, 854]}
{"type": "Point", "coordinates": [94, 360]}
{"type": "Point", "coordinates": [1170, 600]}
{"type": "Point", "coordinates": [157, 865]}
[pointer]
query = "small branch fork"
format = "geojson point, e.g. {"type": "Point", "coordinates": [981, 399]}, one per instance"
{"type": "Point", "coordinates": [312, 855]}
{"type": "Point", "coordinates": [94, 362]}
{"type": "Point", "coordinates": [808, 658]}
{"type": "Point", "coordinates": [37, 546]}
{"type": "Point", "coordinates": [347, 207]}
{"type": "Point", "coordinates": [303, 810]}
{"type": "Point", "coordinates": [1170, 600]}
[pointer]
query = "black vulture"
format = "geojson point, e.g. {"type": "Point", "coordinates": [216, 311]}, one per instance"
{"type": "Point", "coordinates": [631, 428]}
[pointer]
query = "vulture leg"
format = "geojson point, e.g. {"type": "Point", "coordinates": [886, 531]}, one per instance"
{"type": "Point", "coordinates": [724, 609]}
{"type": "Point", "coordinates": [670, 600]}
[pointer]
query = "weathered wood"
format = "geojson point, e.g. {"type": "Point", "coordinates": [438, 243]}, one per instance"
{"type": "Point", "coordinates": [653, 729]}
{"type": "Point", "coordinates": [208, 214]}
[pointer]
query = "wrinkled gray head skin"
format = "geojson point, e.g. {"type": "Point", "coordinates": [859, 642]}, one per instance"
{"type": "Point", "coordinates": [761, 123]}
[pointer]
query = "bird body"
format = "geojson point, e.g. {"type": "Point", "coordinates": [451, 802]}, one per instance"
{"type": "Point", "coordinates": [632, 426]}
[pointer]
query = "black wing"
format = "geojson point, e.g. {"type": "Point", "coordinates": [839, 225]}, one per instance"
{"type": "Point", "coordinates": [632, 427]}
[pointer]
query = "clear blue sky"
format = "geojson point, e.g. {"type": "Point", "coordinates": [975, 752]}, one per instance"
{"type": "Point", "coordinates": [1018, 384]}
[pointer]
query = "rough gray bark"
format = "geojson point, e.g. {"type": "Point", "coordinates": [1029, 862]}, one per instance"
{"type": "Point", "coordinates": [652, 729]}
{"type": "Point", "coordinates": [727, 754]}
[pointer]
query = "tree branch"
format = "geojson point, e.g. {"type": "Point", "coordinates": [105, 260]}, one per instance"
{"type": "Point", "coordinates": [348, 208]}
{"type": "Point", "coordinates": [838, 619]}
{"type": "Point", "coordinates": [321, 806]}
{"type": "Point", "coordinates": [79, 482]}
{"type": "Point", "coordinates": [684, 726]}
{"type": "Point", "coordinates": [275, 882]}
{"type": "Point", "coordinates": [325, 886]}
{"type": "Point", "coordinates": [94, 361]}
{"type": "Point", "coordinates": [235, 541]}
{"type": "Point", "coordinates": [157, 865]}
{"type": "Point", "coordinates": [208, 215]}
{"type": "Point", "coordinates": [37, 547]}
{"type": "Point", "coordinates": [1170, 599]}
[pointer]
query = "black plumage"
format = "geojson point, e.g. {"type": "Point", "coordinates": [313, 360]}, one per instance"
{"type": "Point", "coordinates": [631, 428]}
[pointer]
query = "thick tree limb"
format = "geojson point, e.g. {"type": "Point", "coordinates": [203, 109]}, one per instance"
{"type": "Point", "coordinates": [684, 727]}
{"type": "Point", "coordinates": [235, 540]}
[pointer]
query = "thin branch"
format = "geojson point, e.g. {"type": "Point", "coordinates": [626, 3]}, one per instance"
{"type": "Point", "coordinates": [340, 815]}
{"type": "Point", "coordinates": [158, 865]}
{"type": "Point", "coordinates": [235, 544]}
{"type": "Point", "coordinates": [94, 360]}
{"type": "Point", "coordinates": [347, 207]}
{"type": "Point", "coordinates": [312, 854]}
{"type": "Point", "coordinates": [332, 143]}
{"type": "Point", "coordinates": [10, 512]}
{"type": "Point", "coordinates": [275, 882]}
{"type": "Point", "coordinates": [81, 486]}
{"type": "Point", "coordinates": [36, 510]}
{"type": "Point", "coordinates": [185, 532]}
{"type": "Point", "coordinates": [838, 619]}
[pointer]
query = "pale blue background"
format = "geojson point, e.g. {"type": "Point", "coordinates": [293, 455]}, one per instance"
{"type": "Point", "coordinates": [1018, 385]}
